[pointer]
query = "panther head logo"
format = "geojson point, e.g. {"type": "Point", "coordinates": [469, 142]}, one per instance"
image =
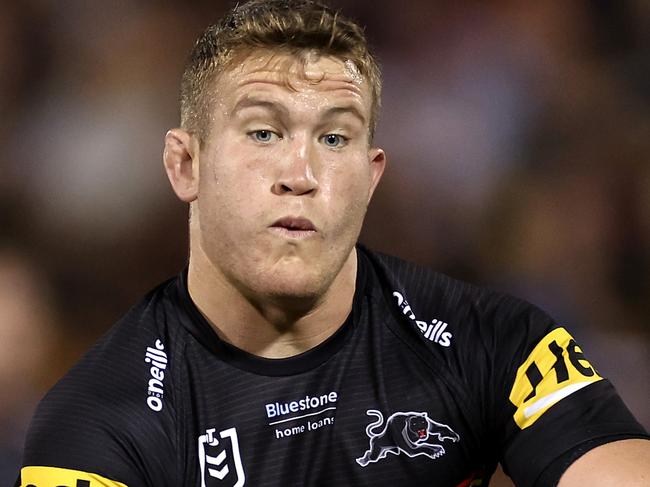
{"type": "Point", "coordinates": [417, 426]}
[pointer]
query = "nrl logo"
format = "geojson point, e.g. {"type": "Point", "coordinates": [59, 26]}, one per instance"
{"type": "Point", "coordinates": [410, 433]}
{"type": "Point", "coordinates": [219, 459]}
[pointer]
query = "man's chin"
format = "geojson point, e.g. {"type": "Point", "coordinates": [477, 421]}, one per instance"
{"type": "Point", "coordinates": [303, 275]}
{"type": "Point", "coordinates": [291, 285]}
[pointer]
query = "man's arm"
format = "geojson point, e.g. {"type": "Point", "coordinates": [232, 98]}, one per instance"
{"type": "Point", "coordinates": [625, 462]}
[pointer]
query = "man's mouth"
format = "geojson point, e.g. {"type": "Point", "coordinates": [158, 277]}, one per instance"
{"type": "Point", "coordinates": [294, 227]}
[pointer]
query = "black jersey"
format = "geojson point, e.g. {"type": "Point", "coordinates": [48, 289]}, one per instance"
{"type": "Point", "coordinates": [429, 381]}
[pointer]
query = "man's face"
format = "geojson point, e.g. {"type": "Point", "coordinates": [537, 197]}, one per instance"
{"type": "Point", "coordinates": [286, 174]}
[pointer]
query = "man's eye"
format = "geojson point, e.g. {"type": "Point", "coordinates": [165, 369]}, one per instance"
{"type": "Point", "coordinates": [263, 135]}
{"type": "Point", "coordinates": [334, 140]}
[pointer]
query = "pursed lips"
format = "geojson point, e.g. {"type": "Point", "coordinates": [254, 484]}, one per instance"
{"type": "Point", "coordinates": [294, 227]}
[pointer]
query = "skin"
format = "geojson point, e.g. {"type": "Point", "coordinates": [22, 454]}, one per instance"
{"type": "Point", "coordinates": [274, 152]}
{"type": "Point", "coordinates": [278, 193]}
{"type": "Point", "coordinates": [621, 463]}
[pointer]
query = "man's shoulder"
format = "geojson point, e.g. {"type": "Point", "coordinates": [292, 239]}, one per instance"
{"type": "Point", "coordinates": [109, 384]}
{"type": "Point", "coordinates": [414, 286]}
{"type": "Point", "coordinates": [450, 317]}
{"type": "Point", "coordinates": [116, 398]}
{"type": "Point", "coordinates": [149, 324]}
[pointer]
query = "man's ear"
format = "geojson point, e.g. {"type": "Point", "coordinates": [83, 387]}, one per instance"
{"type": "Point", "coordinates": [377, 161]}
{"type": "Point", "coordinates": [181, 159]}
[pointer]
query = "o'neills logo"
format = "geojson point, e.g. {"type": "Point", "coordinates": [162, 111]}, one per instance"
{"type": "Point", "coordinates": [158, 360]}
{"type": "Point", "coordinates": [434, 331]}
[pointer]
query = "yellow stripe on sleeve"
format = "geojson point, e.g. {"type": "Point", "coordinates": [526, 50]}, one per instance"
{"type": "Point", "coordinates": [63, 477]}
{"type": "Point", "coordinates": [555, 369]}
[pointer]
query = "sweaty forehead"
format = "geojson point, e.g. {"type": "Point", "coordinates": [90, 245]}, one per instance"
{"type": "Point", "coordinates": [307, 66]}
{"type": "Point", "coordinates": [311, 73]}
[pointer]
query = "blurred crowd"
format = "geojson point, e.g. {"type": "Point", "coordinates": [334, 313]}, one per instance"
{"type": "Point", "coordinates": [518, 136]}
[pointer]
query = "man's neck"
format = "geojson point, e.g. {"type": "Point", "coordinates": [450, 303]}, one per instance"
{"type": "Point", "coordinates": [267, 326]}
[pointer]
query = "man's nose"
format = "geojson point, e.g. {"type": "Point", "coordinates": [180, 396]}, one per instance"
{"type": "Point", "coordinates": [296, 174]}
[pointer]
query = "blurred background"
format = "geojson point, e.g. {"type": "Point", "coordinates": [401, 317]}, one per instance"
{"type": "Point", "coordinates": [518, 136]}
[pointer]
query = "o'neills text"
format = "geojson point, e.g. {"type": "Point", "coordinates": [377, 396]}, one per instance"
{"type": "Point", "coordinates": [158, 360]}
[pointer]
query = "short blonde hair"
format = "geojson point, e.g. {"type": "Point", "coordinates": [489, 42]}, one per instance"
{"type": "Point", "coordinates": [297, 27]}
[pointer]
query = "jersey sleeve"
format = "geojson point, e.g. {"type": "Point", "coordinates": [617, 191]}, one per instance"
{"type": "Point", "coordinates": [74, 441]}
{"type": "Point", "coordinates": [109, 422]}
{"type": "Point", "coordinates": [553, 403]}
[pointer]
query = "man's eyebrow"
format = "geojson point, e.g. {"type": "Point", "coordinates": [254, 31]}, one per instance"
{"type": "Point", "coordinates": [351, 109]}
{"type": "Point", "coordinates": [253, 102]}
{"type": "Point", "coordinates": [273, 106]}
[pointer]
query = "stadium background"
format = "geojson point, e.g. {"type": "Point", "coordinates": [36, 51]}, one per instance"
{"type": "Point", "coordinates": [519, 158]}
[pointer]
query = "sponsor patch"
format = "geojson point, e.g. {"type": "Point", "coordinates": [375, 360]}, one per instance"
{"type": "Point", "coordinates": [302, 415]}
{"type": "Point", "coordinates": [63, 477]}
{"type": "Point", "coordinates": [555, 369]}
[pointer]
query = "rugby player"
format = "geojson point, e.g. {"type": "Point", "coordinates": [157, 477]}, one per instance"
{"type": "Point", "coordinates": [288, 355]}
